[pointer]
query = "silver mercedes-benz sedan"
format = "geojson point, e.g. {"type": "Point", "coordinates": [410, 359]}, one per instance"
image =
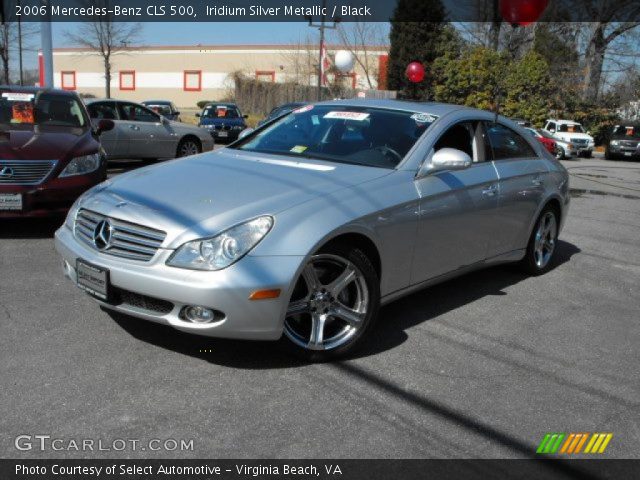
{"type": "Point", "coordinates": [141, 133]}
{"type": "Point", "coordinates": [301, 229]}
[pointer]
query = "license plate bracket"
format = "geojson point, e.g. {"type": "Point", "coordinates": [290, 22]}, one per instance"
{"type": "Point", "coordinates": [11, 201]}
{"type": "Point", "coordinates": [93, 279]}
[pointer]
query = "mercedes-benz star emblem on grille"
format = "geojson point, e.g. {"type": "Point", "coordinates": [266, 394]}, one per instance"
{"type": "Point", "coordinates": [6, 172]}
{"type": "Point", "coordinates": [102, 235]}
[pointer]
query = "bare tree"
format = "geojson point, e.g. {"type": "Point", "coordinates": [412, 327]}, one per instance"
{"type": "Point", "coordinates": [9, 45]}
{"type": "Point", "coordinates": [359, 38]}
{"type": "Point", "coordinates": [106, 38]}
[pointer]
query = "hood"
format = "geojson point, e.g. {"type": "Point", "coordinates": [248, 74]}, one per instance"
{"type": "Point", "coordinates": [576, 135]}
{"type": "Point", "coordinates": [221, 121]}
{"type": "Point", "coordinates": [45, 145]}
{"type": "Point", "coordinates": [202, 195]}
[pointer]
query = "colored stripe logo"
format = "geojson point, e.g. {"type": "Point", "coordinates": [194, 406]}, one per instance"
{"type": "Point", "coordinates": [573, 443]}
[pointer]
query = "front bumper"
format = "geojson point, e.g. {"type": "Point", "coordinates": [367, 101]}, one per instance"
{"type": "Point", "coordinates": [226, 291]}
{"type": "Point", "coordinates": [624, 152]}
{"type": "Point", "coordinates": [51, 198]}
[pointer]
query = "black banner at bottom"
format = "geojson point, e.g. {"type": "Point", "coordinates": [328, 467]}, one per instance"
{"type": "Point", "coordinates": [207, 469]}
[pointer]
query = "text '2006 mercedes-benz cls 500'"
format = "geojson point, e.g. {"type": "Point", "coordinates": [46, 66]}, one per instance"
{"type": "Point", "coordinates": [301, 229]}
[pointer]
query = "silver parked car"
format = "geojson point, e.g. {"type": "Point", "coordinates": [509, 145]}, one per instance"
{"type": "Point", "coordinates": [142, 133]}
{"type": "Point", "coordinates": [302, 229]}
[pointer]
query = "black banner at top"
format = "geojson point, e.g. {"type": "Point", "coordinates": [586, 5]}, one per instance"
{"type": "Point", "coordinates": [512, 11]}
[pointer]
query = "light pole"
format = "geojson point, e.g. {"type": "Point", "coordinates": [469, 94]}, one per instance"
{"type": "Point", "coordinates": [47, 48]}
{"type": "Point", "coordinates": [20, 47]}
{"type": "Point", "coordinates": [321, 27]}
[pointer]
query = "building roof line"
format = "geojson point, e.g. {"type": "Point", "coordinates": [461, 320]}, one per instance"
{"type": "Point", "coordinates": [239, 47]}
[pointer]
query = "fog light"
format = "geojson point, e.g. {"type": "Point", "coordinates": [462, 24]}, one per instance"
{"type": "Point", "coordinates": [199, 314]}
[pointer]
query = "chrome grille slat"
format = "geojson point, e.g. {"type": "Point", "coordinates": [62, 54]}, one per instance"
{"type": "Point", "coordinates": [26, 172]}
{"type": "Point", "coordinates": [128, 240]}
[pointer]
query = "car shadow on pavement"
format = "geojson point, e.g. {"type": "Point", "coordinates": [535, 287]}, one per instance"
{"type": "Point", "coordinates": [427, 304]}
{"type": "Point", "coordinates": [30, 227]}
{"type": "Point", "coordinates": [389, 332]}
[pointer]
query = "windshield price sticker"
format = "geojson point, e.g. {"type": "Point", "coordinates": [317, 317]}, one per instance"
{"type": "Point", "coordinates": [18, 97]}
{"type": "Point", "coordinates": [306, 108]}
{"type": "Point", "coordinates": [423, 118]}
{"type": "Point", "coordinates": [357, 116]}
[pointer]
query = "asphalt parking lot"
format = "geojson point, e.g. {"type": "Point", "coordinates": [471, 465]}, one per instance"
{"type": "Point", "coordinates": [481, 366]}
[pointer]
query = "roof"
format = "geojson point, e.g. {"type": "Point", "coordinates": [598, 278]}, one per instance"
{"type": "Point", "coordinates": [434, 108]}
{"type": "Point", "coordinates": [23, 89]}
{"type": "Point", "coordinates": [158, 102]}
{"type": "Point", "coordinates": [239, 47]}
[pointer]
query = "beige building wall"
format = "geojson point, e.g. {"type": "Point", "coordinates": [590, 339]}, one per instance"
{"type": "Point", "coordinates": [175, 73]}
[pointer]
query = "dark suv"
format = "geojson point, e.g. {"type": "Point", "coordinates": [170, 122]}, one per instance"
{"type": "Point", "coordinates": [49, 151]}
{"type": "Point", "coordinates": [624, 142]}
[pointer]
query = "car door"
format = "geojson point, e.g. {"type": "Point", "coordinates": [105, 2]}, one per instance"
{"type": "Point", "coordinates": [149, 136]}
{"type": "Point", "coordinates": [115, 142]}
{"type": "Point", "coordinates": [457, 207]}
{"type": "Point", "coordinates": [521, 176]}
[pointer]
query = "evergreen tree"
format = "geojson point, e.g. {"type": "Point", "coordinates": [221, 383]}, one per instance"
{"type": "Point", "coordinates": [418, 34]}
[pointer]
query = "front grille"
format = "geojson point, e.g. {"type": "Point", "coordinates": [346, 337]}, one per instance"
{"type": "Point", "coordinates": [25, 172]}
{"type": "Point", "coordinates": [629, 143]}
{"type": "Point", "coordinates": [128, 240]}
{"type": "Point", "coordinates": [223, 127]}
{"type": "Point", "coordinates": [144, 302]}
{"type": "Point", "coordinates": [579, 141]}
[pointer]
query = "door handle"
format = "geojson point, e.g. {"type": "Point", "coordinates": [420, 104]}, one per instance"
{"type": "Point", "coordinates": [134, 127]}
{"type": "Point", "coordinates": [490, 191]}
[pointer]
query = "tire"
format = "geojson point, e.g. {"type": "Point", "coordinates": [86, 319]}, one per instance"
{"type": "Point", "coordinates": [560, 153]}
{"type": "Point", "coordinates": [587, 154]}
{"type": "Point", "coordinates": [542, 244]}
{"type": "Point", "coordinates": [188, 146]}
{"type": "Point", "coordinates": [334, 305]}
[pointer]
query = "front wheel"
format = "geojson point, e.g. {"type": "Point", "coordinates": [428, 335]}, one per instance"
{"type": "Point", "coordinates": [188, 146]}
{"type": "Point", "coordinates": [542, 244]}
{"type": "Point", "coordinates": [333, 306]}
{"type": "Point", "coordinates": [560, 153]}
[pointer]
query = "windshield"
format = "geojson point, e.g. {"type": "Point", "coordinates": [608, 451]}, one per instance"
{"type": "Point", "coordinates": [627, 131]}
{"type": "Point", "coordinates": [40, 108]}
{"type": "Point", "coordinates": [220, 111]}
{"type": "Point", "coordinates": [374, 137]}
{"type": "Point", "coordinates": [571, 128]}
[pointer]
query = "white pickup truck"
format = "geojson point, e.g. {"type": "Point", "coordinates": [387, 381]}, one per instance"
{"type": "Point", "coordinates": [573, 132]}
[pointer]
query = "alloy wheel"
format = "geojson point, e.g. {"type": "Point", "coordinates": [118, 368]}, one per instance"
{"type": "Point", "coordinates": [329, 304]}
{"type": "Point", "coordinates": [189, 148]}
{"type": "Point", "coordinates": [545, 240]}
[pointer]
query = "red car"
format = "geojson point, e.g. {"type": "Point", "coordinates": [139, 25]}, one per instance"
{"type": "Point", "coordinates": [549, 144]}
{"type": "Point", "coordinates": [49, 151]}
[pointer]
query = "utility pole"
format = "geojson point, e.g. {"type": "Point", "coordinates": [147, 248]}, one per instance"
{"type": "Point", "coordinates": [321, 27]}
{"type": "Point", "coordinates": [47, 49]}
{"type": "Point", "coordinates": [20, 48]}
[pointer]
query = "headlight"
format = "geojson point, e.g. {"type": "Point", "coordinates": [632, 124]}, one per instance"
{"type": "Point", "coordinates": [570, 146]}
{"type": "Point", "coordinates": [224, 249]}
{"type": "Point", "coordinates": [615, 143]}
{"type": "Point", "coordinates": [81, 165]}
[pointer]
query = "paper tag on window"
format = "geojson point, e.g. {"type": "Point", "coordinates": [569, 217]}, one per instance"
{"type": "Point", "coordinates": [298, 149]}
{"type": "Point", "coordinates": [357, 116]}
{"type": "Point", "coordinates": [18, 96]}
{"type": "Point", "coordinates": [423, 118]}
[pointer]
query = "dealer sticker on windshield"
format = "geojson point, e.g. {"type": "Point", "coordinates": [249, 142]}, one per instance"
{"type": "Point", "coordinates": [357, 116]}
{"type": "Point", "coordinates": [18, 96]}
{"type": "Point", "coordinates": [423, 118]}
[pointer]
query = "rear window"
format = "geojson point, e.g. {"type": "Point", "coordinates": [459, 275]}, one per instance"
{"type": "Point", "coordinates": [41, 108]}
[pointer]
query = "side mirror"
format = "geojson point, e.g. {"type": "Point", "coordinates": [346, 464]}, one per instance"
{"type": "Point", "coordinates": [448, 159]}
{"type": "Point", "coordinates": [245, 132]}
{"type": "Point", "coordinates": [245, 116]}
{"type": "Point", "coordinates": [104, 125]}
{"type": "Point", "coordinates": [176, 113]}
{"type": "Point", "coordinates": [198, 115]}
{"type": "Point", "coordinates": [552, 130]}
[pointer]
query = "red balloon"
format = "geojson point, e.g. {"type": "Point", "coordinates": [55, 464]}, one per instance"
{"type": "Point", "coordinates": [522, 12]}
{"type": "Point", "coordinates": [415, 72]}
